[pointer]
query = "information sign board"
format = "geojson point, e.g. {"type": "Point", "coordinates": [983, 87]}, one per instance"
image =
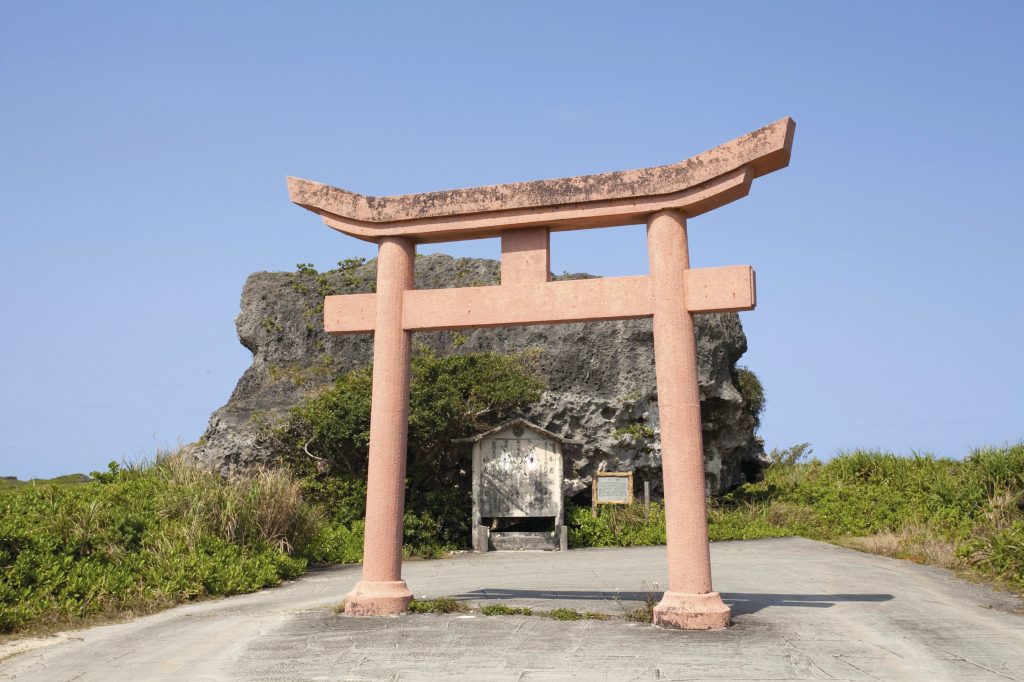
{"type": "Point", "coordinates": [612, 487]}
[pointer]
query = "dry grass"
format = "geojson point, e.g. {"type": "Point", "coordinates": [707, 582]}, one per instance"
{"type": "Point", "coordinates": [913, 542]}
{"type": "Point", "coordinates": [258, 505]}
{"type": "Point", "coordinates": [789, 514]}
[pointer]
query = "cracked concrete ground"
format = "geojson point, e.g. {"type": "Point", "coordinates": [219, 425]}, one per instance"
{"type": "Point", "coordinates": [802, 610]}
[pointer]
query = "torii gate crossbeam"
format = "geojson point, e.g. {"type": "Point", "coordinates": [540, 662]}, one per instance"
{"type": "Point", "coordinates": [524, 215]}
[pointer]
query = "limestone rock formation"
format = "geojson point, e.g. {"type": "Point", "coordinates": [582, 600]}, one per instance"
{"type": "Point", "coordinates": [601, 382]}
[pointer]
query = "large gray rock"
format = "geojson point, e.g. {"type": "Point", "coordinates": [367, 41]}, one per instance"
{"type": "Point", "coordinates": [601, 383]}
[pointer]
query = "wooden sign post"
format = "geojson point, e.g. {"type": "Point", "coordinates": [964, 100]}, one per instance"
{"type": "Point", "coordinates": [611, 487]}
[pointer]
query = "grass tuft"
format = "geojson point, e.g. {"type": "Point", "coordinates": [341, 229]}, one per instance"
{"type": "Point", "coordinates": [505, 610]}
{"type": "Point", "coordinates": [561, 614]}
{"type": "Point", "coordinates": [438, 605]}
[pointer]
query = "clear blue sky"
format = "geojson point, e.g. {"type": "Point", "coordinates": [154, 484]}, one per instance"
{"type": "Point", "coordinates": [144, 146]}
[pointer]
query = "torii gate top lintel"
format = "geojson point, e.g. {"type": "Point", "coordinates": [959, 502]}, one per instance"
{"type": "Point", "coordinates": [694, 186]}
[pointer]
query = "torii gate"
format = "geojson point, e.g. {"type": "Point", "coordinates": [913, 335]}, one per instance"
{"type": "Point", "coordinates": [523, 215]}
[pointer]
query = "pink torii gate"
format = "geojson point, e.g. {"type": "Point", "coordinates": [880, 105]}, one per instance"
{"type": "Point", "coordinates": [524, 215]}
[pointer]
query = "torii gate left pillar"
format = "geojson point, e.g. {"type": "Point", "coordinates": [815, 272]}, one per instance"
{"type": "Point", "coordinates": [523, 215]}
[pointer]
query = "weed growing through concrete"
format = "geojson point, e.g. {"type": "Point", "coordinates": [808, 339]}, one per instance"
{"type": "Point", "coordinates": [561, 614]}
{"type": "Point", "coordinates": [438, 605]}
{"type": "Point", "coordinates": [640, 614]}
{"type": "Point", "coordinates": [573, 614]}
{"type": "Point", "coordinates": [595, 615]}
{"type": "Point", "coordinates": [453, 605]}
{"type": "Point", "coordinates": [503, 610]}
{"type": "Point", "coordinates": [645, 613]}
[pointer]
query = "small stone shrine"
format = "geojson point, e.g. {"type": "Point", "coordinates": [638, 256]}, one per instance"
{"type": "Point", "coordinates": [517, 488]}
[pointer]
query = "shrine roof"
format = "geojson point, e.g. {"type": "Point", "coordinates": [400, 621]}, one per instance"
{"type": "Point", "coordinates": [522, 422]}
{"type": "Point", "coordinates": [418, 215]}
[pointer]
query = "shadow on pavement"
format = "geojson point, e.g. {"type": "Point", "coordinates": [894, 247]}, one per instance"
{"type": "Point", "coordinates": [497, 594]}
{"type": "Point", "coordinates": [751, 602]}
{"type": "Point", "coordinates": [740, 602]}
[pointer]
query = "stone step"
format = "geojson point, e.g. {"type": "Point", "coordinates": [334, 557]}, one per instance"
{"type": "Point", "coordinates": [523, 540]}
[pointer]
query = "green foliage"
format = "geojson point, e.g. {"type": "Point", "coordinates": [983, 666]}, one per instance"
{"type": "Point", "coordinates": [640, 614]}
{"type": "Point", "coordinates": [144, 537]}
{"type": "Point", "coordinates": [616, 525]}
{"type": "Point", "coordinates": [7, 484]}
{"type": "Point", "coordinates": [645, 612]}
{"type": "Point", "coordinates": [966, 514]}
{"type": "Point", "coordinates": [792, 455]}
{"type": "Point", "coordinates": [450, 397]}
{"type": "Point", "coordinates": [562, 614]}
{"type": "Point", "coordinates": [857, 493]}
{"type": "Point", "coordinates": [457, 396]}
{"type": "Point", "coordinates": [325, 441]}
{"type": "Point", "coordinates": [635, 431]}
{"type": "Point", "coordinates": [439, 605]}
{"type": "Point", "coordinates": [307, 281]}
{"type": "Point", "coordinates": [338, 543]}
{"type": "Point", "coordinates": [752, 391]}
{"type": "Point", "coordinates": [505, 610]}
{"type": "Point", "coordinates": [347, 268]}
{"type": "Point", "coordinates": [566, 275]}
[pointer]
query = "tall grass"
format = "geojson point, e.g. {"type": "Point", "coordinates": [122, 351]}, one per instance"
{"type": "Point", "coordinates": [145, 537]}
{"type": "Point", "coordinates": [963, 514]}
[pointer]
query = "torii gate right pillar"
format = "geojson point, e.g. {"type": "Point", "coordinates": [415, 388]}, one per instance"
{"type": "Point", "coordinates": [689, 602]}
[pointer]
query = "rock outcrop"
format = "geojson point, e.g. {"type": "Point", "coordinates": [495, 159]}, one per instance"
{"type": "Point", "coordinates": [601, 382]}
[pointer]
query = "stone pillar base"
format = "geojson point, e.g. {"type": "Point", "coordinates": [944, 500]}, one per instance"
{"type": "Point", "coordinates": [373, 598]}
{"type": "Point", "coordinates": [692, 611]}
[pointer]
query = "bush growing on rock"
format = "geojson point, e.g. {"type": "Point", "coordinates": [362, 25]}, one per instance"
{"type": "Point", "coordinates": [325, 439]}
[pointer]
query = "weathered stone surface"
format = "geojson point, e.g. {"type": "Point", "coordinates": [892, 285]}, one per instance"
{"type": "Point", "coordinates": [601, 383]}
{"type": "Point", "coordinates": [695, 185]}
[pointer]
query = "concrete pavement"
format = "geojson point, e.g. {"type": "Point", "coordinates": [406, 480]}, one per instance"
{"type": "Point", "coordinates": [802, 610]}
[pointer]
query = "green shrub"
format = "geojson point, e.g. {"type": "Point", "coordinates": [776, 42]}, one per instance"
{"type": "Point", "coordinates": [325, 441]}
{"type": "Point", "coordinates": [791, 455]}
{"type": "Point", "coordinates": [338, 543]}
{"type": "Point", "coordinates": [751, 390]}
{"type": "Point", "coordinates": [966, 514]}
{"type": "Point", "coordinates": [145, 537]}
{"type": "Point", "coordinates": [616, 525]}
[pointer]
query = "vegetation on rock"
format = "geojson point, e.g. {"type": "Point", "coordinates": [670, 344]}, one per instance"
{"type": "Point", "coordinates": [600, 375]}
{"type": "Point", "coordinates": [325, 441]}
{"type": "Point", "coordinates": [750, 388]}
